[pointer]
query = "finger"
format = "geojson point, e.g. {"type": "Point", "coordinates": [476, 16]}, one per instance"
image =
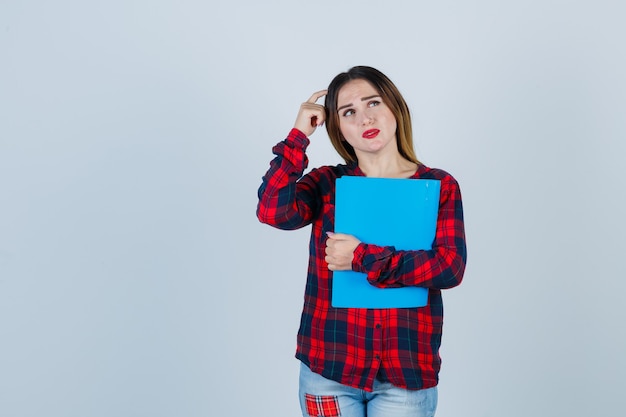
{"type": "Point", "coordinates": [317, 95]}
{"type": "Point", "coordinates": [307, 112]}
{"type": "Point", "coordinates": [317, 121]}
{"type": "Point", "coordinates": [315, 113]}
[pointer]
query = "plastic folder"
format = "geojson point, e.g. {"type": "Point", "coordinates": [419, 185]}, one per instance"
{"type": "Point", "coordinates": [387, 212]}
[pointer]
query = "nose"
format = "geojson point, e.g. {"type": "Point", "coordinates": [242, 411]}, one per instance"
{"type": "Point", "coordinates": [366, 117]}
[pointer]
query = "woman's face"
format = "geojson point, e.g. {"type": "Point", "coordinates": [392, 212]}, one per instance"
{"type": "Point", "coordinates": [364, 120]}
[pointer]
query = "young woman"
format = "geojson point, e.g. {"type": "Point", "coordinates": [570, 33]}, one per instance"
{"type": "Point", "coordinates": [354, 361]}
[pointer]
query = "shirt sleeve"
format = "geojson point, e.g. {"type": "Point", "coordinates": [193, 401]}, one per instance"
{"type": "Point", "coordinates": [440, 267]}
{"type": "Point", "coordinates": [284, 201]}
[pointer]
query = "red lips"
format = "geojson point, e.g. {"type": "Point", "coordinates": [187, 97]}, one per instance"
{"type": "Point", "coordinates": [370, 134]}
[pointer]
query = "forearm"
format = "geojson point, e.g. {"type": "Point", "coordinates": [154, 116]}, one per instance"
{"type": "Point", "coordinates": [281, 203]}
{"type": "Point", "coordinates": [437, 268]}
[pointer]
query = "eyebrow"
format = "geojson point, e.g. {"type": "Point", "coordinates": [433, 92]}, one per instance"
{"type": "Point", "coordinates": [363, 99]}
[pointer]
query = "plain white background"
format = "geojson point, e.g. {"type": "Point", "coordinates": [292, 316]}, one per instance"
{"type": "Point", "coordinates": [135, 279]}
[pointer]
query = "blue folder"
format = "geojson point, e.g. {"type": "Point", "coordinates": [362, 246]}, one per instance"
{"type": "Point", "coordinates": [385, 212]}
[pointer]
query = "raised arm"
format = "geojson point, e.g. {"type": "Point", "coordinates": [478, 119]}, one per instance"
{"type": "Point", "coordinates": [284, 201]}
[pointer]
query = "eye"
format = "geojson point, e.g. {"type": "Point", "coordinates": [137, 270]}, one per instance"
{"type": "Point", "coordinates": [348, 112]}
{"type": "Point", "coordinates": [373, 103]}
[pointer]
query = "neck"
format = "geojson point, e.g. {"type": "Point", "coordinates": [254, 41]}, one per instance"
{"type": "Point", "coordinates": [380, 167]}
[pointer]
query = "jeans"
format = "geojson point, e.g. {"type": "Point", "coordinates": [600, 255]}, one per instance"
{"type": "Point", "coordinates": [321, 397]}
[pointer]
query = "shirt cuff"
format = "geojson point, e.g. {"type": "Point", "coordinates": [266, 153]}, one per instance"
{"type": "Point", "coordinates": [357, 257]}
{"type": "Point", "coordinates": [298, 138]}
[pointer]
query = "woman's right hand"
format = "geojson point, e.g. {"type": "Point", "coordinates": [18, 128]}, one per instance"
{"type": "Point", "coordinates": [311, 115]}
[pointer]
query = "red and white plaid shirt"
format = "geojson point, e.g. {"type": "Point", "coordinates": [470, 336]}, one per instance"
{"type": "Point", "coordinates": [353, 345]}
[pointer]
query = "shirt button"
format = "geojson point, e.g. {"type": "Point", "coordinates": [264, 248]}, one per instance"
{"type": "Point", "coordinates": [378, 326]}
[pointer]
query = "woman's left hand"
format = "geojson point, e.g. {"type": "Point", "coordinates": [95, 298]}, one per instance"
{"type": "Point", "coordinates": [340, 251]}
